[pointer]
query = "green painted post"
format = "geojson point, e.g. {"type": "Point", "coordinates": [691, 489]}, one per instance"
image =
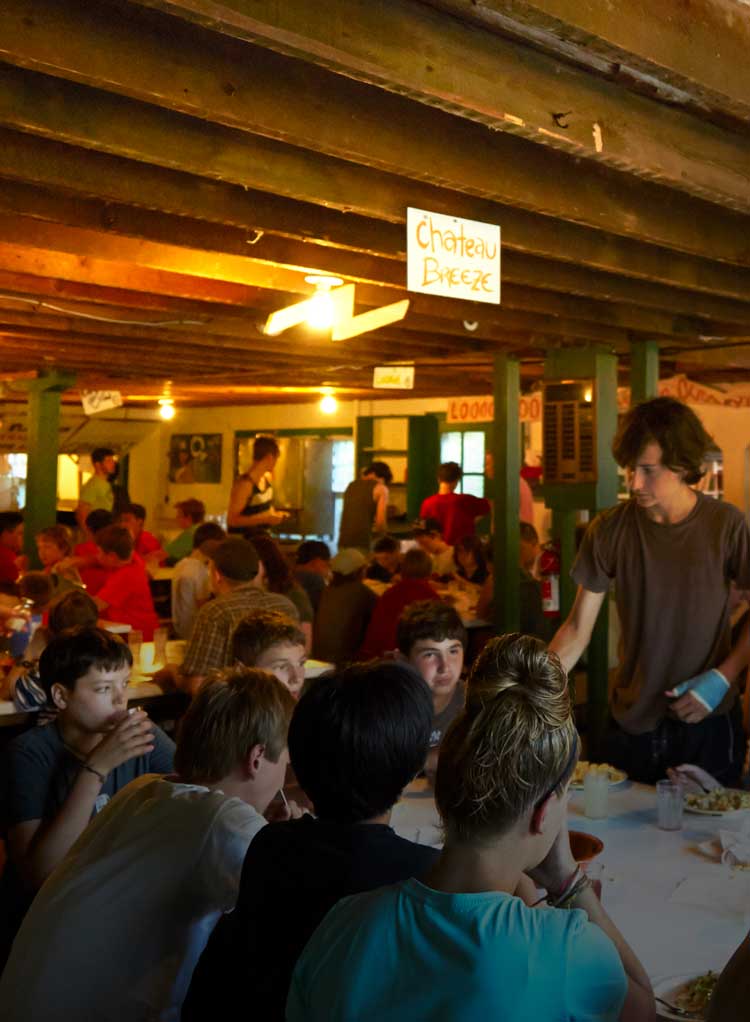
{"type": "Point", "coordinates": [43, 445]}
{"type": "Point", "coordinates": [506, 450]}
{"type": "Point", "coordinates": [644, 371]}
{"type": "Point", "coordinates": [423, 460]}
{"type": "Point", "coordinates": [564, 530]}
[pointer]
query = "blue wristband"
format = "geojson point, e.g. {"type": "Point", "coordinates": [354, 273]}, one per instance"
{"type": "Point", "coordinates": [708, 688]}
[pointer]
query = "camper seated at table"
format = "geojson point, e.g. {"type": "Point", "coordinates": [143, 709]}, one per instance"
{"type": "Point", "coordinates": [116, 931]}
{"type": "Point", "coordinates": [471, 557]}
{"type": "Point", "coordinates": [413, 585]}
{"type": "Point", "coordinates": [191, 579]}
{"type": "Point", "coordinates": [55, 547]}
{"type": "Point", "coordinates": [428, 534]}
{"type": "Point", "coordinates": [344, 611]}
{"type": "Point", "coordinates": [357, 738]}
{"type": "Point", "coordinates": [385, 562]}
{"type": "Point", "coordinates": [22, 684]}
{"type": "Point", "coordinates": [55, 778]}
{"type": "Point", "coordinates": [458, 944]}
{"type": "Point", "coordinates": [126, 595]}
{"type": "Point", "coordinates": [86, 554]}
{"type": "Point", "coordinates": [432, 639]}
{"type": "Point", "coordinates": [272, 642]}
{"type": "Point", "coordinates": [277, 577]}
{"type": "Point", "coordinates": [189, 513]}
{"type": "Point", "coordinates": [146, 545]}
{"type": "Point", "coordinates": [12, 559]}
{"type": "Point", "coordinates": [313, 568]}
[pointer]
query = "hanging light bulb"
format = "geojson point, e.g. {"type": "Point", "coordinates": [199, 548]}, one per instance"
{"type": "Point", "coordinates": [321, 311]}
{"type": "Point", "coordinates": [166, 408]}
{"type": "Point", "coordinates": [328, 404]}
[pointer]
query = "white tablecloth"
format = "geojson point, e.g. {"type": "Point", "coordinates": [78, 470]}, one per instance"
{"type": "Point", "coordinates": [681, 912]}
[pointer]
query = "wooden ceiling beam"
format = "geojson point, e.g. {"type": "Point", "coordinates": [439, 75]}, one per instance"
{"type": "Point", "coordinates": [29, 200]}
{"type": "Point", "coordinates": [700, 48]}
{"type": "Point", "coordinates": [533, 178]}
{"type": "Point", "coordinates": [461, 68]}
{"type": "Point", "coordinates": [59, 166]}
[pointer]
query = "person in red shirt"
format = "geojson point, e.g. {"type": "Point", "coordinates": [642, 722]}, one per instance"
{"type": "Point", "coordinates": [147, 546]}
{"type": "Point", "coordinates": [380, 637]}
{"type": "Point", "coordinates": [86, 555]}
{"type": "Point", "coordinates": [457, 513]}
{"type": "Point", "coordinates": [125, 597]}
{"type": "Point", "coordinates": [11, 545]}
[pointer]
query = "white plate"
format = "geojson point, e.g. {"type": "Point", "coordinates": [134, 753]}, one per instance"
{"type": "Point", "coordinates": [668, 988]}
{"type": "Point", "coordinates": [699, 811]}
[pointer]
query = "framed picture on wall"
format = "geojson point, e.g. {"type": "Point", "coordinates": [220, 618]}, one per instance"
{"type": "Point", "coordinates": [195, 458]}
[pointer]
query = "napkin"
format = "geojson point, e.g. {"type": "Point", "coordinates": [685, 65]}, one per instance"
{"type": "Point", "coordinates": [732, 847]}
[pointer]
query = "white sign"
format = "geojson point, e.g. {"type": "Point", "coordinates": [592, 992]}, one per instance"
{"type": "Point", "coordinates": [393, 377]}
{"type": "Point", "coordinates": [94, 401]}
{"type": "Point", "coordinates": [482, 409]}
{"type": "Point", "coordinates": [452, 257]}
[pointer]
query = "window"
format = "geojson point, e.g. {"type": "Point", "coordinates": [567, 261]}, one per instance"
{"type": "Point", "coordinates": [467, 448]}
{"type": "Point", "coordinates": [341, 476]}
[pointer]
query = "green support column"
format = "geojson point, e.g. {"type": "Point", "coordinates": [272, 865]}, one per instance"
{"type": "Point", "coordinates": [644, 371]}
{"type": "Point", "coordinates": [506, 450]}
{"type": "Point", "coordinates": [423, 459]}
{"type": "Point", "coordinates": [564, 531]}
{"type": "Point", "coordinates": [43, 446]}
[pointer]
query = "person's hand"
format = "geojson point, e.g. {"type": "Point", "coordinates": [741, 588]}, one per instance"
{"type": "Point", "coordinates": [278, 812]}
{"type": "Point", "coordinates": [698, 696]}
{"type": "Point", "coordinates": [166, 678]}
{"type": "Point", "coordinates": [692, 778]}
{"type": "Point", "coordinates": [558, 866]}
{"type": "Point", "coordinates": [132, 736]}
{"type": "Point", "coordinates": [276, 517]}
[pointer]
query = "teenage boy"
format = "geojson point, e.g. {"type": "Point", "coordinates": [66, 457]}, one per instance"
{"type": "Point", "coordinates": [357, 738]}
{"type": "Point", "coordinates": [11, 545]}
{"type": "Point", "coordinates": [191, 579]}
{"type": "Point", "coordinates": [428, 534]}
{"type": "Point", "coordinates": [98, 491]}
{"type": "Point", "coordinates": [125, 596]}
{"type": "Point", "coordinates": [56, 777]}
{"type": "Point", "coordinates": [313, 569]}
{"type": "Point", "coordinates": [146, 545]}
{"type": "Point", "coordinates": [251, 500]}
{"type": "Point", "coordinates": [413, 585]}
{"type": "Point", "coordinates": [116, 931]}
{"type": "Point", "coordinates": [457, 513]}
{"type": "Point", "coordinates": [86, 555]}
{"type": "Point", "coordinates": [190, 513]}
{"type": "Point", "coordinates": [365, 507]}
{"type": "Point", "coordinates": [673, 553]}
{"type": "Point", "coordinates": [386, 560]}
{"type": "Point", "coordinates": [432, 639]}
{"type": "Point", "coordinates": [272, 642]}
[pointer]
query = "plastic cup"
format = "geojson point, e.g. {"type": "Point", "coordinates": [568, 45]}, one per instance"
{"type": "Point", "coordinates": [669, 801]}
{"type": "Point", "coordinates": [596, 795]}
{"type": "Point", "coordinates": [135, 641]}
{"type": "Point", "coordinates": [160, 646]}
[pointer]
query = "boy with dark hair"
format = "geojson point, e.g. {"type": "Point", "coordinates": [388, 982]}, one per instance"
{"type": "Point", "coordinates": [432, 639]}
{"type": "Point", "coordinates": [251, 499]}
{"type": "Point", "coordinates": [143, 887]}
{"type": "Point", "coordinates": [58, 776]}
{"type": "Point", "coordinates": [457, 513]}
{"type": "Point", "coordinates": [357, 738]}
{"type": "Point", "coordinates": [313, 568]}
{"type": "Point", "coordinates": [86, 554]}
{"type": "Point", "coordinates": [429, 536]}
{"type": "Point", "coordinates": [191, 580]}
{"type": "Point", "coordinates": [11, 545]}
{"type": "Point", "coordinates": [125, 596]}
{"type": "Point", "coordinates": [380, 637]}
{"type": "Point", "coordinates": [272, 642]}
{"type": "Point", "coordinates": [147, 546]}
{"type": "Point", "coordinates": [674, 554]}
{"type": "Point", "coordinates": [365, 507]}
{"type": "Point", "coordinates": [97, 492]}
{"type": "Point", "coordinates": [190, 513]}
{"type": "Point", "coordinates": [386, 560]}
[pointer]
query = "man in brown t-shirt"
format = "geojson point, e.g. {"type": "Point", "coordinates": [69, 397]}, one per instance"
{"type": "Point", "coordinates": [673, 554]}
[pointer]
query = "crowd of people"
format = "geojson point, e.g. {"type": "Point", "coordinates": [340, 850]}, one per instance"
{"type": "Point", "coordinates": [251, 858]}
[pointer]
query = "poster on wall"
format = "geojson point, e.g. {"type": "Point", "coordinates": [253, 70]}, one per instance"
{"type": "Point", "coordinates": [195, 458]}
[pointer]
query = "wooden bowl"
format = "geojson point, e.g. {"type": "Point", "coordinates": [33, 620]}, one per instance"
{"type": "Point", "coordinates": [584, 846]}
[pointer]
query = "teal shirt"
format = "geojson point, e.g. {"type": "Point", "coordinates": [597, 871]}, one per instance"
{"type": "Point", "coordinates": [182, 545]}
{"type": "Point", "coordinates": [98, 494]}
{"type": "Point", "coordinates": [407, 953]}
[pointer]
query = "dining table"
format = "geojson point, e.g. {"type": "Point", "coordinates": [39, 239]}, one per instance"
{"type": "Point", "coordinates": [680, 908]}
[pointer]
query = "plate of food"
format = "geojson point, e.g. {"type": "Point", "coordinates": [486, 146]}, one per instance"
{"type": "Point", "coordinates": [684, 998]}
{"type": "Point", "coordinates": [719, 802]}
{"type": "Point", "coordinates": [583, 767]}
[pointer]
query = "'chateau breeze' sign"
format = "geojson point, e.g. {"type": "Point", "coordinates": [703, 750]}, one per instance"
{"type": "Point", "coordinates": [452, 257]}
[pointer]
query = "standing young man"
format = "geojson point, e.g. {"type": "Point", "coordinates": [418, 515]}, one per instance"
{"type": "Point", "coordinates": [97, 492]}
{"type": "Point", "coordinates": [251, 500]}
{"type": "Point", "coordinates": [457, 513]}
{"type": "Point", "coordinates": [673, 553]}
{"type": "Point", "coordinates": [365, 508]}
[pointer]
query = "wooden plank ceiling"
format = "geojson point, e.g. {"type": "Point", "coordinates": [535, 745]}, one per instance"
{"type": "Point", "coordinates": [170, 170]}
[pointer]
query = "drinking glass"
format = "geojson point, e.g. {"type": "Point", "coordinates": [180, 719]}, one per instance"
{"type": "Point", "coordinates": [135, 641]}
{"type": "Point", "coordinates": [668, 805]}
{"type": "Point", "coordinates": [596, 795]}
{"type": "Point", "coordinates": [160, 647]}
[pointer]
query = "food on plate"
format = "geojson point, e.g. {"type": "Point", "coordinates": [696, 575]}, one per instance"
{"type": "Point", "coordinates": [696, 994]}
{"type": "Point", "coordinates": [583, 767]}
{"type": "Point", "coordinates": [720, 800]}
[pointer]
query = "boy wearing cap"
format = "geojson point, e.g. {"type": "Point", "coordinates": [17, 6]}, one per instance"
{"type": "Point", "coordinates": [235, 580]}
{"type": "Point", "coordinates": [344, 611]}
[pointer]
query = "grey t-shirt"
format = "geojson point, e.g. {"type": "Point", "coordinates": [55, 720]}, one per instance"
{"type": "Point", "coordinates": [442, 721]}
{"type": "Point", "coordinates": [672, 592]}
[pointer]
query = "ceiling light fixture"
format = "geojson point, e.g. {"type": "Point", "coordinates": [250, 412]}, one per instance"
{"type": "Point", "coordinates": [166, 408]}
{"type": "Point", "coordinates": [332, 308]}
{"type": "Point", "coordinates": [328, 404]}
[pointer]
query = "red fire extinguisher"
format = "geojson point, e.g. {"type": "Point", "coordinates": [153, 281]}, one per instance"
{"type": "Point", "coordinates": [549, 572]}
